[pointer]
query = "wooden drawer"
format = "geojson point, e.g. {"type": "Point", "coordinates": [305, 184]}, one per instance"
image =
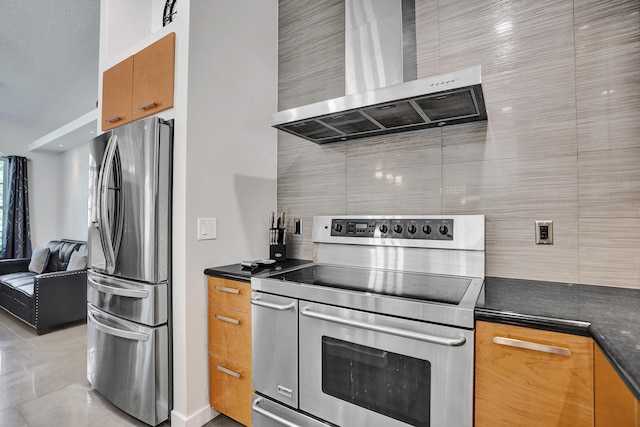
{"type": "Point", "coordinates": [230, 334]}
{"type": "Point", "coordinates": [532, 386]}
{"type": "Point", "coordinates": [230, 389]}
{"type": "Point", "coordinates": [230, 294]}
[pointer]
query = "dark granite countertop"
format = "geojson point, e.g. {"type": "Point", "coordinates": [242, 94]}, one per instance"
{"type": "Point", "coordinates": [611, 316]}
{"type": "Point", "coordinates": [238, 272]}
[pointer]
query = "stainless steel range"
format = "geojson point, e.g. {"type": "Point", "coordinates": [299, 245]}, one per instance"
{"type": "Point", "coordinates": [378, 331]}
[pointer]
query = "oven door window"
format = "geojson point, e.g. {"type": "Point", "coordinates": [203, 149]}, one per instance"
{"type": "Point", "coordinates": [391, 384]}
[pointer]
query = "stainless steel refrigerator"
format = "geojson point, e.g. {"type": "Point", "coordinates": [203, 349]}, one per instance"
{"type": "Point", "coordinates": [129, 289]}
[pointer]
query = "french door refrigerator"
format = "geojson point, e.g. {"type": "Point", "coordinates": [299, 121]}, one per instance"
{"type": "Point", "coordinates": [129, 268]}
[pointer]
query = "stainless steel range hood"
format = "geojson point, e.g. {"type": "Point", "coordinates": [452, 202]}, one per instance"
{"type": "Point", "coordinates": [379, 57]}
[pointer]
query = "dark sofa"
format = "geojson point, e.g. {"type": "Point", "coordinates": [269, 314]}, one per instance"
{"type": "Point", "coordinates": [49, 299]}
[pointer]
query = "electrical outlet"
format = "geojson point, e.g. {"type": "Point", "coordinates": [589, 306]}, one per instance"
{"type": "Point", "coordinates": [544, 232]}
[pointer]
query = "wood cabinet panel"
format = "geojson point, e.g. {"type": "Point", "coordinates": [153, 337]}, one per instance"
{"type": "Point", "coordinates": [230, 348]}
{"type": "Point", "coordinates": [230, 388]}
{"type": "Point", "coordinates": [153, 77]}
{"type": "Point", "coordinates": [524, 387]}
{"type": "Point", "coordinates": [230, 293]}
{"type": "Point", "coordinates": [117, 84]}
{"type": "Point", "coordinates": [615, 405]}
{"type": "Point", "coordinates": [230, 334]}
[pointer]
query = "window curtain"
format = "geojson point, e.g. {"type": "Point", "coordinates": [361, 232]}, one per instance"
{"type": "Point", "coordinates": [16, 239]}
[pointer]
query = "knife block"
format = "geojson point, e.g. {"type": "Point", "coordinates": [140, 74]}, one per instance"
{"type": "Point", "coordinates": [278, 252]}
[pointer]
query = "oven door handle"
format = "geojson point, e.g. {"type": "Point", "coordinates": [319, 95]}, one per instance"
{"type": "Point", "coordinates": [273, 417]}
{"type": "Point", "coordinates": [281, 307]}
{"type": "Point", "coordinates": [451, 342]}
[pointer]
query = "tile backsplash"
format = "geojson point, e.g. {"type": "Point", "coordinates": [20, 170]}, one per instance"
{"type": "Point", "coordinates": [561, 81]}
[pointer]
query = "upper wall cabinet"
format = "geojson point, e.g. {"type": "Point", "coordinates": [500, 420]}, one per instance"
{"type": "Point", "coordinates": [139, 86]}
{"type": "Point", "coordinates": [117, 86]}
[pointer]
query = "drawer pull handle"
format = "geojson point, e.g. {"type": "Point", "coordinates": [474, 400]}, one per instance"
{"type": "Point", "coordinates": [227, 371]}
{"type": "Point", "coordinates": [147, 105]}
{"type": "Point", "coordinates": [527, 345]}
{"type": "Point", "coordinates": [113, 119]}
{"type": "Point", "coordinates": [227, 319]}
{"type": "Point", "coordinates": [225, 289]}
{"type": "Point", "coordinates": [280, 307]}
{"type": "Point", "coordinates": [273, 417]}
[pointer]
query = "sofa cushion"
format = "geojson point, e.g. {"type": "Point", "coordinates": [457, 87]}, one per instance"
{"type": "Point", "coordinates": [61, 251]}
{"type": "Point", "coordinates": [24, 293]}
{"type": "Point", "coordinates": [39, 260]}
{"type": "Point", "coordinates": [18, 285]}
{"type": "Point", "coordinates": [78, 261]}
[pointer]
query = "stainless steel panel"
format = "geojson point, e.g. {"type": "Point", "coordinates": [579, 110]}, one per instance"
{"type": "Point", "coordinates": [130, 201]}
{"type": "Point", "coordinates": [373, 44]}
{"type": "Point", "coordinates": [97, 148]}
{"type": "Point", "coordinates": [384, 97]}
{"type": "Point", "coordinates": [427, 86]}
{"type": "Point", "coordinates": [135, 301]}
{"type": "Point", "coordinates": [461, 315]}
{"type": "Point", "coordinates": [451, 376]}
{"type": "Point", "coordinates": [128, 364]}
{"type": "Point", "coordinates": [469, 234]}
{"type": "Point", "coordinates": [270, 414]}
{"type": "Point", "coordinates": [274, 334]}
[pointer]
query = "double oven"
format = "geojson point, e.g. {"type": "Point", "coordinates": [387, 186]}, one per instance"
{"type": "Point", "coordinates": [378, 331]}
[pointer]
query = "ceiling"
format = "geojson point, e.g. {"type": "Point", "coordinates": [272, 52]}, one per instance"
{"type": "Point", "coordinates": [49, 65]}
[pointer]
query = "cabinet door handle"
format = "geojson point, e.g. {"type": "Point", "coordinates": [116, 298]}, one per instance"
{"type": "Point", "coordinates": [527, 345]}
{"type": "Point", "coordinates": [227, 371]}
{"type": "Point", "coordinates": [225, 289]}
{"type": "Point", "coordinates": [113, 119]}
{"type": "Point", "coordinates": [227, 319]}
{"type": "Point", "coordinates": [147, 105]}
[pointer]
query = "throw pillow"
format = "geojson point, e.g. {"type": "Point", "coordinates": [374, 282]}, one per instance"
{"type": "Point", "coordinates": [77, 261]}
{"type": "Point", "coordinates": [39, 260]}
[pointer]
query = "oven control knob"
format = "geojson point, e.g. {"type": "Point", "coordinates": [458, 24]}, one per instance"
{"type": "Point", "coordinates": [384, 228]}
{"type": "Point", "coordinates": [444, 230]}
{"type": "Point", "coordinates": [338, 227]}
{"type": "Point", "coordinates": [397, 228]}
{"type": "Point", "coordinates": [412, 229]}
{"type": "Point", "coordinates": [426, 229]}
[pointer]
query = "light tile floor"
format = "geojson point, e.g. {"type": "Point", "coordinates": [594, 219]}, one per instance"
{"type": "Point", "coordinates": [43, 381]}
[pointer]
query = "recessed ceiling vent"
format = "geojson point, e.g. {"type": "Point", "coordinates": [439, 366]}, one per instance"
{"type": "Point", "coordinates": [383, 95]}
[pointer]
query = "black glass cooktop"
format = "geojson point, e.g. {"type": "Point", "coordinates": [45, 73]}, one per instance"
{"type": "Point", "coordinates": [426, 287]}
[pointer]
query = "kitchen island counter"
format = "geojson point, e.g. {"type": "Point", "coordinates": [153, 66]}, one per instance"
{"type": "Point", "coordinates": [610, 315]}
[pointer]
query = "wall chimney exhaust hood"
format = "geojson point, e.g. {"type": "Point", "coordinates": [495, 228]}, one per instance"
{"type": "Point", "coordinates": [382, 94]}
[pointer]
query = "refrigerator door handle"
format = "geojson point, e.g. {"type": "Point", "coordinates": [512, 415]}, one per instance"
{"type": "Point", "coordinates": [135, 336]}
{"type": "Point", "coordinates": [110, 242]}
{"type": "Point", "coordinates": [131, 293]}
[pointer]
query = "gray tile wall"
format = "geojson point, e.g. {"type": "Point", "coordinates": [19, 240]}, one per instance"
{"type": "Point", "coordinates": [562, 88]}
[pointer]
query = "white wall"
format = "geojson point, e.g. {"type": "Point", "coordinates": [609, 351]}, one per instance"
{"type": "Point", "coordinates": [73, 193]}
{"type": "Point", "coordinates": [224, 167]}
{"type": "Point", "coordinates": [43, 178]}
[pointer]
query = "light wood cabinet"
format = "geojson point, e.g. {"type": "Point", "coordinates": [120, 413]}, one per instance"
{"type": "Point", "coordinates": [153, 80]}
{"type": "Point", "coordinates": [530, 377]}
{"type": "Point", "coordinates": [117, 86]}
{"type": "Point", "coordinates": [615, 405]}
{"type": "Point", "coordinates": [139, 86]}
{"type": "Point", "coordinates": [230, 348]}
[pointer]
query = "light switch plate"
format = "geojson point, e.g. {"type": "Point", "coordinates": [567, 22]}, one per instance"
{"type": "Point", "coordinates": [544, 232]}
{"type": "Point", "coordinates": [206, 228]}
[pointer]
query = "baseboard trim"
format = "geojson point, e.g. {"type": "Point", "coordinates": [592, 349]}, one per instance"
{"type": "Point", "coordinates": [197, 419]}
